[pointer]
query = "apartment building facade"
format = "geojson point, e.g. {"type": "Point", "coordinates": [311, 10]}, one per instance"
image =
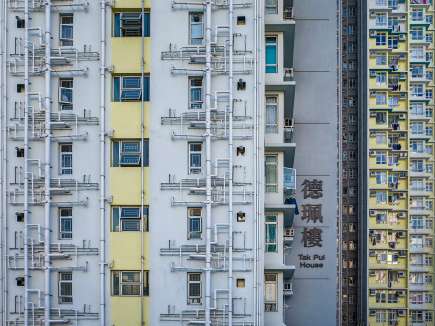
{"type": "Point", "coordinates": [149, 162]}
{"type": "Point", "coordinates": [397, 158]}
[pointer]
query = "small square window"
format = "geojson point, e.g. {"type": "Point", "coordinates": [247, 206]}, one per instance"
{"type": "Point", "coordinates": [240, 282]}
{"type": "Point", "coordinates": [20, 88]}
{"type": "Point", "coordinates": [21, 23]}
{"type": "Point", "coordinates": [241, 20]}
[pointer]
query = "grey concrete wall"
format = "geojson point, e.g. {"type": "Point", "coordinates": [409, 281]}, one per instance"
{"type": "Point", "coordinates": [314, 298]}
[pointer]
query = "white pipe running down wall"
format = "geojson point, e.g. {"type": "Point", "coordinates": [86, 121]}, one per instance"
{"type": "Point", "coordinates": [208, 164]}
{"type": "Point", "coordinates": [26, 158]}
{"type": "Point", "coordinates": [102, 162]}
{"type": "Point", "coordinates": [47, 173]}
{"type": "Point", "coordinates": [230, 158]}
{"type": "Point", "coordinates": [4, 119]}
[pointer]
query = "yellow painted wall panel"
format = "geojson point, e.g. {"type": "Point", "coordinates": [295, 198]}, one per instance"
{"type": "Point", "coordinates": [125, 250]}
{"type": "Point", "coordinates": [129, 4]}
{"type": "Point", "coordinates": [402, 321]}
{"type": "Point", "coordinates": [126, 311]}
{"type": "Point", "coordinates": [126, 55]}
{"type": "Point", "coordinates": [125, 185]}
{"type": "Point", "coordinates": [126, 118]}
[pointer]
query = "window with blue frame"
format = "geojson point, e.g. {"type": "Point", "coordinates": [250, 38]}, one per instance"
{"type": "Point", "coordinates": [131, 88]}
{"type": "Point", "coordinates": [271, 54]}
{"type": "Point", "coordinates": [128, 218]}
{"type": "Point", "coordinates": [128, 153]}
{"type": "Point", "coordinates": [129, 24]}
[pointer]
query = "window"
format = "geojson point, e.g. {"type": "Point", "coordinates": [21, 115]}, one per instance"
{"type": "Point", "coordinates": [129, 89]}
{"type": "Point", "coordinates": [381, 39]}
{"type": "Point", "coordinates": [127, 283]}
{"type": "Point", "coordinates": [240, 283]}
{"type": "Point", "coordinates": [272, 7]}
{"type": "Point", "coordinates": [381, 78]}
{"type": "Point", "coordinates": [194, 216]}
{"type": "Point", "coordinates": [65, 159]}
{"type": "Point", "coordinates": [381, 118]}
{"type": "Point", "coordinates": [66, 94]}
{"type": "Point", "coordinates": [195, 158]}
{"type": "Point", "coordinates": [381, 158]}
{"type": "Point", "coordinates": [129, 24]}
{"type": "Point", "coordinates": [381, 98]}
{"type": "Point", "coordinates": [271, 54]}
{"type": "Point", "coordinates": [271, 230]}
{"type": "Point", "coordinates": [417, 71]}
{"type": "Point", "coordinates": [271, 114]}
{"type": "Point", "coordinates": [417, 90]}
{"type": "Point", "coordinates": [417, 53]}
{"type": "Point", "coordinates": [271, 162]}
{"type": "Point", "coordinates": [66, 33]}
{"type": "Point", "coordinates": [381, 197]}
{"type": "Point", "coordinates": [195, 92]}
{"type": "Point", "coordinates": [381, 138]}
{"type": "Point", "coordinates": [270, 292]}
{"type": "Point", "coordinates": [381, 59]}
{"type": "Point", "coordinates": [194, 288]}
{"type": "Point", "coordinates": [127, 219]}
{"type": "Point", "coordinates": [417, 33]}
{"type": "Point", "coordinates": [381, 177]}
{"type": "Point", "coordinates": [381, 19]}
{"type": "Point", "coordinates": [65, 223]}
{"type": "Point", "coordinates": [128, 153]}
{"type": "Point", "coordinates": [65, 287]}
{"type": "Point", "coordinates": [196, 28]}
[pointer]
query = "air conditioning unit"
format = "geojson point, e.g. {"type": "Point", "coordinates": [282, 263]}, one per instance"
{"type": "Point", "coordinates": [401, 312]}
{"type": "Point", "coordinates": [372, 173]}
{"type": "Point", "coordinates": [372, 292]}
{"type": "Point", "coordinates": [401, 274]}
{"type": "Point", "coordinates": [372, 312]}
{"type": "Point", "coordinates": [401, 195]}
{"type": "Point", "coordinates": [402, 174]}
{"type": "Point", "coordinates": [401, 214]}
{"type": "Point", "coordinates": [402, 253]}
{"type": "Point", "coordinates": [372, 153]}
{"type": "Point", "coordinates": [372, 73]}
{"type": "Point", "coordinates": [400, 293]}
{"type": "Point", "coordinates": [372, 212]}
{"type": "Point", "coordinates": [402, 116]}
{"type": "Point", "coordinates": [372, 253]}
{"type": "Point", "coordinates": [402, 37]}
{"type": "Point", "coordinates": [373, 33]}
{"type": "Point", "coordinates": [401, 234]}
{"type": "Point", "coordinates": [372, 93]}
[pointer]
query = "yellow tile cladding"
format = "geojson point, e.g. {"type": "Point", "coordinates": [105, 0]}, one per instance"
{"type": "Point", "coordinates": [126, 55]}
{"type": "Point", "coordinates": [126, 311]}
{"type": "Point", "coordinates": [124, 182]}
{"type": "Point", "coordinates": [130, 4]}
{"type": "Point", "coordinates": [126, 119]}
